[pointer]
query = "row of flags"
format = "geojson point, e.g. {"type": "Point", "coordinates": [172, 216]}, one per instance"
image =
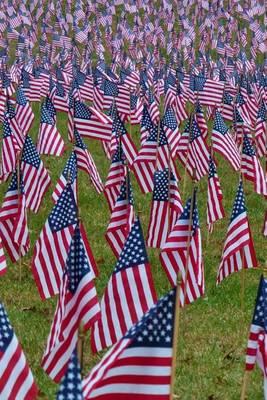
{"type": "Point", "coordinates": [110, 67]}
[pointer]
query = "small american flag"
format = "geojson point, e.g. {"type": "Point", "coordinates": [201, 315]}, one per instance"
{"type": "Point", "coordinates": [251, 167]}
{"type": "Point", "coordinates": [183, 250]}
{"type": "Point", "coordinates": [140, 364]}
{"type": "Point", "coordinates": [215, 210]}
{"type": "Point", "coordinates": [86, 163]}
{"type": "Point", "coordinates": [24, 113]}
{"type": "Point", "coordinates": [256, 347]}
{"type": "Point", "coordinates": [49, 140]}
{"type": "Point", "coordinates": [51, 249]}
{"type": "Point", "coordinates": [223, 142]}
{"type": "Point", "coordinates": [9, 149]}
{"type": "Point", "coordinates": [261, 131]}
{"type": "Point", "coordinates": [209, 92]}
{"type": "Point", "coordinates": [35, 176]}
{"type": "Point", "coordinates": [17, 380]}
{"type": "Point", "coordinates": [171, 129]}
{"type": "Point", "coordinates": [13, 226]}
{"type": "Point", "coordinates": [122, 218]}
{"type": "Point", "coordinates": [238, 251]}
{"type": "Point", "coordinates": [115, 177]}
{"type": "Point", "coordinates": [88, 125]}
{"type": "Point", "coordinates": [129, 293]}
{"type": "Point", "coordinates": [77, 303]}
{"type": "Point", "coordinates": [165, 209]}
{"type": "Point", "coordinates": [71, 384]}
{"type": "Point", "coordinates": [68, 176]}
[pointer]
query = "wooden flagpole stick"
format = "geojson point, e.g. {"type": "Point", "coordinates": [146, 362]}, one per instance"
{"type": "Point", "coordinates": [244, 385]}
{"type": "Point", "coordinates": [177, 297]}
{"type": "Point", "coordinates": [242, 275]}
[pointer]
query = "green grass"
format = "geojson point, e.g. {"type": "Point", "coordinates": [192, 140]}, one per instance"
{"type": "Point", "coordinates": [213, 331]}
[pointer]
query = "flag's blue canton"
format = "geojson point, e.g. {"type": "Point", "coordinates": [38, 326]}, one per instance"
{"type": "Point", "coordinates": [161, 185]}
{"type": "Point", "coordinates": [6, 331]}
{"type": "Point", "coordinates": [134, 250]}
{"type": "Point", "coordinates": [222, 76]}
{"type": "Point", "coordinates": [5, 81]}
{"type": "Point", "coordinates": [70, 170]}
{"type": "Point", "coordinates": [21, 98]}
{"type": "Point", "coordinates": [260, 312]}
{"type": "Point", "coordinates": [186, 212]}
{"type": "Point", "coordinates": [25, 79]}
{"type": "Point", "coordinates": [237, 117]}
{"type": "Point", "coordinates": [151, 97]}
{"type": "Point", "coordinates": [162, 136]}
{"type": "Point", "coordinates": [71, 384]}
{"type": "Point", "coordinates": [239, 204]}
{"type": "Point", "coordinates": [199, 108]}
{"type": "Point", "coordinates": [227, 98]}
{"type": "Point", "coordinates": [59, 75]}
{"type": "Point", "coordinates": [46, 117]}
{"type": "Point", "coordinates": [110, 88]}
{"type": "Point", "coordinates": [119, 155]}
{"type": "Point", "coordinates": [195, 131]}
{"type": "Point", "coordinates": [212, 168]}
{"type": "Point", "coordinates": [123, 75]}
{"type": "Point", "coordinates": [197, 83]}
{"type": "Point", "coordinates": [240, 99]}
{"type": "Point", "coordinates": [169, 119]}
{"type": "Point", "coordinates": [146, 121]}
{"type": "Point", "coordinates": [78, 140]}
{"type": "Point", "coordinates": [51, 84]}
{"type": "Point", "coordinates": [64, 212]}
{"type": "Point", "coordinates": [170, 81]}
{"type": "Point", "coordinates": [133, 101]}
{"type": "Point", "coordinates": [153, 135]}
{"type": "Point", "coordinates": [155, 329]}
{"type": "Point", "coordinates": [219, 124]}
{"type": "Point", "coordinates": [14, 182]}
{"type": "Point", "coordinates": [80, 78]}
{"type": "Point", "coordinates": [50, 107]}
{"type": "Point", "coordinates": [247, 147]}
{"type": "Point", "coordinates": [180, 76]}
{"type": "Point", "coordinates": [81, 110]}
{"type": "Point", "coordinates": [126, 192]}
{"type": "Point", "coordinates": [10, 111]}
{"type": "Point", "coordinates": [179, 90]}
{"type": "Point", "coordinates": [262, 112]}
{"type": "Point", "coordinates": [118, 127]}
{"type": "Point", "coordinates": [7, 130]}
{"type": "Point", "coordinates": [60, 90]}
{"type": "Point", "coordinates": [29, 154]}
{"type": "Point", "coordinates": [77, 265]}
{"type": "Point", "coordinates": [70, 100]}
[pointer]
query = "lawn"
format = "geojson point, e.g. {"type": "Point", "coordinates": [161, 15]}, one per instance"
{"type": "Point", "coordinates": [213, 331]}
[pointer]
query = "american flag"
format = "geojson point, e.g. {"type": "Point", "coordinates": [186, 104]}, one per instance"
{"type": "Point", "coordinates": [200, 120]}
{"type": "Point", "coordinates": [223, 143]}
{"type": "Point", "coordinates": [153, 107]}
{"type": "Point", "coordinates": [215, 210]}
{"type": "Point", "coordinates": [35, 176]}
{"type": "Point", "coordinates": [238, 251]}
{"type": "Point", "coordinates": [120, 93]}
{"type": "Point", "coordinates": [196, 158]}
{"type": "Point", "coordinates": [49, 140]}
{"type": "Point", "coordinates": [261, 131]}
{"type": "Point", "coordinates": [88, 125]}
{"type": "Point", "coordinates": [182, 252]}
{"type": "Point", "coordinates": [71, 384]}
{"type": "Point", "coordinates": [136, 111]}
{"type": "Point", "coordinates": [129, 293]}
{"type": "Point", "coordinates": [227, 108]}
{"type": "Point", "coordinates": [165, 209]}
{"type": "Point", "coordinates": [60, 99]}
{"type": "Point", "coordinates": [115, 177]}
{"type": "Point", "coordinates": [140, 364]}
{"type": "Point", "coordinates": [24, 113]}
{"type": "Point", "coordinates": [146, 125]}
{"type": "Point", "coordinates": [208, 91]}
{"type": "Point", "coordinates": [16, 378]}
{"type": "Point", "coordinates": [68, 176]}
{"type": "Point", "coordinates": [9, 149]}
{"type": "Point", "coordinates": [145, 162]}
{"type": "Point", "coordinates": [121, 135]}
{"type": "Point", "coordinates": [122, 217]}
{"type": "Point", "coordinates": [51, 249]}
{"type": "Point", "coordinates": [256, 347]}
{"type": "Point", "coordinates": [15, 128]}
{"type": "Point", "coordinates": [251, 167]}
{"type": "Point", "coordinates": [180, 108]}
{"type": "Point", "coordinates": [77, 303]}
{"type": "Point", "coordinates": [86, 163]}
{"type": "Point", "coordinates": [171, 129]}
{"type": "Point", "coordinates": [13, 229]}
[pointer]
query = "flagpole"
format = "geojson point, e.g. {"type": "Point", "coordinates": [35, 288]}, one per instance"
{"type": "Point", "coordinates": [19, 199]}
{"type": "Point", "coordinates": [80, 345]}
{"type": "Point", "coordinates": [244, 385]}
{"type": "Point", "coordinates": [177, 297]}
